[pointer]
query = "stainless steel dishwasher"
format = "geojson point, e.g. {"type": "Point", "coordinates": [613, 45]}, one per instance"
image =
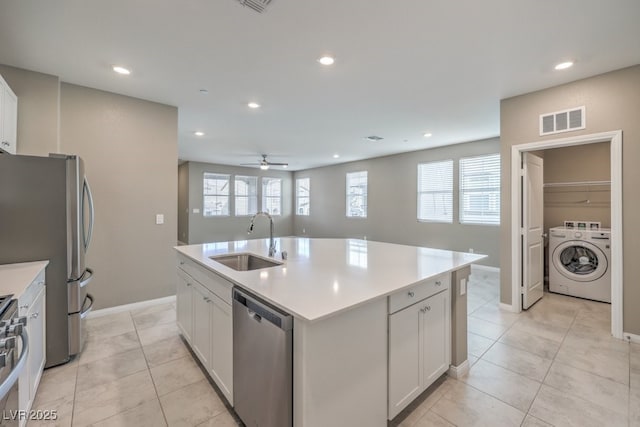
{"type": "Point", "coordinates": [262, 362]}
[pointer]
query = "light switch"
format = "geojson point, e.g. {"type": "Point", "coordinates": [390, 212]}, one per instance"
{"type": "Point", "coordinates": [196, 210]}
{"type": "Point", "coordinates": [463, 286]}
{"type": "Point", "coordinates": [159, 219]}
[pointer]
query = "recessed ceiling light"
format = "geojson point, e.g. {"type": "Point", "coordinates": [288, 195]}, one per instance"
{"type": "Point", "coordinates": [326, 60]}
{"type": "Point", "coordinates": [253, 105]}
{"type": "Point", "coordinates": [121, 70]}
{"type": "Point", "coordinates": [564, 65]}
{"type": "Point", "coordinates": [428, 135]}
{"type": "Point", "coordinates": [198, 133]}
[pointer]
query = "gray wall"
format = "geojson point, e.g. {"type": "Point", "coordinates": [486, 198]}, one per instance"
{"type": "Point", "coordinates": [183, 203]}
{"type": "Point", "coordinates": [203, 229]}
{"type": "Point", "coordinates": [130, 149]}
{"type": "Point", "coordinates": [612, 102]}
{"type": "Point", "coordinates": [38, 99]}
{"type": "Point", "coordinates": [392, 204]}
{"type": "Point", "coordinates": [590, 162]}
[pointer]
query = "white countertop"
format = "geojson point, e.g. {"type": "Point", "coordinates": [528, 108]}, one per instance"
{"type": "Point", "coordinates": [323, 277]}
{"type": "Point", "coordinates": [14, 278]}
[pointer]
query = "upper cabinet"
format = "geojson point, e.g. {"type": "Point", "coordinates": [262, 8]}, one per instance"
{"type": "Point", "coordinates": [8, 118]}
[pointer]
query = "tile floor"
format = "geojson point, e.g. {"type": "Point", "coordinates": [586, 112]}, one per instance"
{"type": "Point", "coordinates": [554, 365]}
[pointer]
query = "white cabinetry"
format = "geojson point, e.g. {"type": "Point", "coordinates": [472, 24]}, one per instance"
{"type": "Point", "coordinates": [8, 118]}
{"type": "Point", "coordinates": [31, 304]}
{"type": "Point", "coordinates": [419, 340]}
{"type": "Point", "coordinates": [204, 318]}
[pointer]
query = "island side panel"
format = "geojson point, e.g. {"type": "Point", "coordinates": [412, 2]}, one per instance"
{"type": "Point", "coordinates": [340, 369]}
{"type": "Point", "coordinates": [459, 322]}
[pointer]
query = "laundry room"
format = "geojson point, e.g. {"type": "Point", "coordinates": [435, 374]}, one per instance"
{"type": "Point", "coordinates": [577, 220]}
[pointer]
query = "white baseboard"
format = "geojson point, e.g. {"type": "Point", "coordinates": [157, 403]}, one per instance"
{"type": "Point", "coordinates": [459, 371]}
{"type": "Point", "coordinates": [132, 306]}
{"type": "Point", "coordinates": [479, 267]}
{"type": "Point", "coordinates": [631, 337]}
{"type": "Point", "coordinates": [508, 307]}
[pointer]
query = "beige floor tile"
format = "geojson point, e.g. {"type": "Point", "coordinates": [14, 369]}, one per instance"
{"type": "Point", "coordinates": [192, 405]}
{"type": "Point", "coordinates": [165, 351]}
{"type": "Point", "coordinates": [152, 309]}
{"type": "Point", "coordinates": [532, 343]}
{"type": "Point", "coordinates": [530, 421]}
{"type": "Point", "coordinates": [634, 407]}
{"type": "Point", "coordinates": [56, 383]}
{"type": "Point", "coordinates": [522, 362]}
{"type": "Point", "coordinates": [550, 315]}
{"type": "Point", "coordinates": [149, 320]}
{"type": "Point", "coordinates": [590, 387]}
{"type": "Point", "coordinates": [562, 409]}
{"type": "Point", "coordinates": [472, 359]}
{"type": "Point", "coordinates": [106, 400]}
{"type": "Point", "coordinates": [175, 375]}
{"type": "Point", "coordinates": [147, 414]}
{"type": "Point", "coordinates": [431, 419]}
{"type": "Point", "coordinates": [591, 357]}
{"type": "Point", "coordinates": [416, 409]}
{"type": "Point", "coordinates": [492, 312]}
{"type": "Point", "coordinates": [109, 326]}
{"type": "Point", "coordinates": [98, 348]}
{"type": "Point", "coordinates": [477, 345]}
{"type": "Point", "coordinates": [540, 329]}
{"type": "Point", "coordinates": [158, 333]}
{"type": "Point", "coordinates": [484, 328]}
{"type": "Point", "coordinates": [63, 409]}
{"type": "Point", "coordinates": [502, 384]}
{"type": "Point", "coordinates": [224, 419]}
{"type": "Point", "coordinates": [463, 405]}
{"type": "Point", "coordinates": [110, 368]}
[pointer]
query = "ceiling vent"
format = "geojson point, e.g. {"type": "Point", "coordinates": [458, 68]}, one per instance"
{"type": "Point", "coordinates": [373, 138]}
{"type": "Point", "coordinates": [257, 5]}
{"type": "Point", "coordinates": [562, 121]}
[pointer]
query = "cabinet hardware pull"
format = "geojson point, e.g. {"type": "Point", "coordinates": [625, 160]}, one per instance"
{"type": "Point", "coordinates": [40, 283]}
{"type": "Point", "coordinates": [188, 284]}
{"type": "Point", "coordinates": [26, 306]}
{"type": "Point", "coordinates": [410, 293]}
{"type": "Point", "coordinates": [206, 299]}
{"type": "Point", "coordinates": [181, 262]}
{"type": "Point", "coordinates": [5, 143]}
{"type": "Point", "coordinates": [35, 315]}
{"type": "Point", "coordinates": [428, 307]}
{"type": "Point", "coordinates": [438, 283]}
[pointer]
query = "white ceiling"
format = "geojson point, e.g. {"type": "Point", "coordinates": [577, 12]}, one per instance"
{"type": "Point", "coordinates": [403, 67]}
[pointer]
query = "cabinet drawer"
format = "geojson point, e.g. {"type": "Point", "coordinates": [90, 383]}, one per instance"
{"type": "Point", "coordinates": [214, 283]}
{"type": "Point", "coordinates": [26, 299]}
{"type": "Point", "coordinates": [418, 292]}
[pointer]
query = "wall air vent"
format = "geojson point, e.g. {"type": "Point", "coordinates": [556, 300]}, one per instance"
{"type": "Point", "coordinates": [257, 5]}
{"type": "Point", "coordinates": [562, 121]}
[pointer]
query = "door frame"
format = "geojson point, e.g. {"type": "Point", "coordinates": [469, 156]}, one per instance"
{"type": "Point", "coordinates": [616, 263]}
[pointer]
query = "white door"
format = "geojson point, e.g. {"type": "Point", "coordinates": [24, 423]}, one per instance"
{"type": "Point", "coordinates": [532, 230]}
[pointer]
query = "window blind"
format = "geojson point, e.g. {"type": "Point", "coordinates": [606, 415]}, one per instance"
{"type": "Point", "coordinates": [303, 196]}
{"type": "Point", "coordinates": [480, 190]}
{"type": "Point", "coordinates": [246, 195]}
{"type": "Point", "coordinates": [215, 194]}
{"type": "Point", "coordinates": [357, 194]}
{"type": "Point", "coordinates": [272, 196]}
{"type": "Point", "coordinates": [435, 191]}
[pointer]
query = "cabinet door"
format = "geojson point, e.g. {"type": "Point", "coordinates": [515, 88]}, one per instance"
{"type": "Point", "coordinates": [184, 305]}
{"type": "Point", "coordinates": [201, 324]}
{"type": "Point", "coordinates": [436, 342]}
{"type": "Point", "coordinates": [405, 358]}
{"type": "Point", "coordinates": [8, 118]}
{"type": "Point", "coordinates": [221, 368]}
{"type": "Point", "coordinates": [36, 330]}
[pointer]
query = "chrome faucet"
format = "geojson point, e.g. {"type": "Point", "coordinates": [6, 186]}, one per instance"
{"type": "Point", "coordinates": [272, 244]}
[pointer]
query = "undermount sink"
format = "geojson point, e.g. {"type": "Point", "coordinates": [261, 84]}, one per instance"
{"type": "Point", "coordinates": [245, 261]}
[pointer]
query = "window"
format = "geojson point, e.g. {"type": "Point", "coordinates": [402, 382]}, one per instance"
{"type": "Point", "coordinates": [435, 191]}
{"type": "Point", "coordinates": [480, 190]}
{"type": "Point", "coordinates": [357, 194]}
{"type": "Point", "coordinates": [216, 194]}
{"type": "Point", "coordinates": [246, 195]}
{"type": "Point", "coordinates": [272, 195]}
{"type": "Point", "coordinates": [302, 196]}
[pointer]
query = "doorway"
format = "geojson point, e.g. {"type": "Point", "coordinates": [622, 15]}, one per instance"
{"type": "Point", "coordinates": [517, 153]}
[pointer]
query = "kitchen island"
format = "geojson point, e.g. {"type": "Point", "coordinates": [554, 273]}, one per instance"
{"type": "Point", "coordinates": [351, 367]}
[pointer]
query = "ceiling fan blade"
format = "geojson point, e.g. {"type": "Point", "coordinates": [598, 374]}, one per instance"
{"type": "Point", "coordinates": [249, 164]}
{"type": "Point", "coordinates": [277, 164]}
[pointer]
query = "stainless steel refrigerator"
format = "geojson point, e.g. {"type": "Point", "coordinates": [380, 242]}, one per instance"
{"type": "Point", "coordinates": [46, 213]}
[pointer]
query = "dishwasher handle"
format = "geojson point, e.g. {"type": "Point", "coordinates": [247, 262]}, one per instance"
{"type": "Point", "coordinates": [261, 311]}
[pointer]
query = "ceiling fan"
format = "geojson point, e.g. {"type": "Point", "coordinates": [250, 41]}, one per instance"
{"type": "Point", "coordinates": [264, 163]}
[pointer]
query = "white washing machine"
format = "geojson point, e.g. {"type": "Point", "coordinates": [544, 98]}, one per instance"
{"type": "Point", "coordinates": [579, 263]}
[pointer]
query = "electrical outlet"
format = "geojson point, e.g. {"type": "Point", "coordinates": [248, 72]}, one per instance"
{"type": "Point", "coordinates": [470, 250]}
{"type": "Point", "coordinates": [196, 210]}
{"type": "Point", "coordinates": [365, 237]}
{"type": "Point", "coordinates": [159, 219]}
{"type": "Point", "coordinates": [463, 286]}
{"type": "Point", "coordinates": [304, 231]}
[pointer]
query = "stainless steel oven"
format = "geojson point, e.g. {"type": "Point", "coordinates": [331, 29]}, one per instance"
{"type": "Point", "coordinates": [13, 341]}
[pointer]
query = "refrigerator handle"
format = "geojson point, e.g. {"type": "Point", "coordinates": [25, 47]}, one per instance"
{"type": "Point", "coordinates": [87, 238]}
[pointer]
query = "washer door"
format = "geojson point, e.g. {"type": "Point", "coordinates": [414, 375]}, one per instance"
{"type": "Point", "coordinates": [580, 261]}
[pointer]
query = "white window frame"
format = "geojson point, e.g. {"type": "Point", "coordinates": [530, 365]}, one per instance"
{"type": "Point", "coordinates": [303, 201]}
{"type": "Point", "coordinates": [435, 187]}
{"type": "Point", "coordinates": [225, 194]}
{"type": "Point", "coordinates": [250, 197]}
{"type": "Point", "coordinates": [354, 191]}
{"type": "Point", "coordinates": [486, 166]}
{"type": "Point", "coordinates": [266, 197]}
